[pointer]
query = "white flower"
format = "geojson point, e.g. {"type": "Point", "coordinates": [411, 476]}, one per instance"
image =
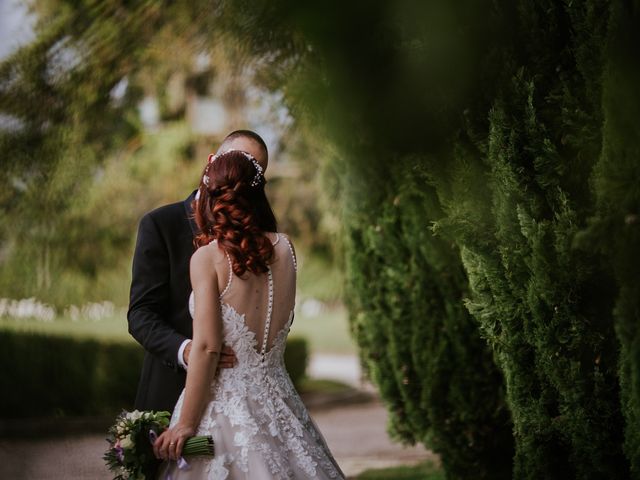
{"type": "Point", "coordinates": [126, 442]}
{"type": "Point", "coordinates": [135, 415]}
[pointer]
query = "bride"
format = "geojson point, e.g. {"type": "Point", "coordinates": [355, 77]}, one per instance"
{"type": "Point", "coordinates": [243, 277]}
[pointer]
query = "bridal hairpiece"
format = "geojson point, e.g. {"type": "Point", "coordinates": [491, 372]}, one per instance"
{"type": "Point", "coordinates": [257, 179]}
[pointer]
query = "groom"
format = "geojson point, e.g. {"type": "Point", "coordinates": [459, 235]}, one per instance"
{"type": "Point", "coordinates": [158, 313]}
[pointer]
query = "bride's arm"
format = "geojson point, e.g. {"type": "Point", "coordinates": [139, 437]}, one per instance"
{"type": "Point", "coordinates": [204, 356]}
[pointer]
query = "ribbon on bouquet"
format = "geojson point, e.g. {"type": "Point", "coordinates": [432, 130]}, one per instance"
{"type": "Point", "coordinates": [182, 463]}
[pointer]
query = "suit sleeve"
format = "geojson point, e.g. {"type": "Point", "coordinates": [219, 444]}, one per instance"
{"type": "Point", "coordinates": [149, 296]}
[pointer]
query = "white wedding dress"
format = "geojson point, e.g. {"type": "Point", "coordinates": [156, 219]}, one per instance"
{"type": "Point", "coordinates": [260, 427]}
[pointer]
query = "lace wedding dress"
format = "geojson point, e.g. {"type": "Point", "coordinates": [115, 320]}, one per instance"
{"type": "Point", "coordinates": [260, 427]}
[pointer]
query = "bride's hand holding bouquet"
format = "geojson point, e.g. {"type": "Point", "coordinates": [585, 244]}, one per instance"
{"type": "Point", "coordinates": [138, 440]}
{"type": "Point", "coordinates": [169, 445]}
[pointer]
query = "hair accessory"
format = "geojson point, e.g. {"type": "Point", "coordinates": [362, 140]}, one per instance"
{"type": "Point", "coordinates": [257, 179]}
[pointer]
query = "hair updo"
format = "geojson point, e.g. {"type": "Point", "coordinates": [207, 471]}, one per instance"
{"type": "Point", "coordinates": [233, 209]}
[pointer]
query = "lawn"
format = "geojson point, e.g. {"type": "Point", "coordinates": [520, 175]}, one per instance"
{"type": "Point", "coordinates": [111, 328]}
{"type": "Point", "coordinates": [326, 332]}
{"type": "Point", "coordinates": [423, 471]}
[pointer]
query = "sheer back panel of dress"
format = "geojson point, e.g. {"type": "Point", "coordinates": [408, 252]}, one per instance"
{"type": "Point", "coordinates": [249, 295]}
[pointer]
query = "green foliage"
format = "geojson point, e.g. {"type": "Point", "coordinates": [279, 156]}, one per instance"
{"type": "Point", "coordinates": [87, 256]}
{"type": "Point", "coordinates": [58, 375]}
{"type": "Point", "coordinates": [57, 92]}
{"type": "Point", "coordinates": [482, 157]}
{"type": "Point", "coordinates": [420, 345]}
{"type": "Point", "coordinates": [504, 116]}
{"type": "Point", "coordinates": [65, 376]}
{"type": "Point", "coordinates": [545, 309]}
{"type": "Point", "coordinates": [73, 179]}
{"type": "Point", "coordinates": [79, 168]}
{"type": "Point", "coordinates": [615, 228]}
{"type": "Point", "coordinates": [324, 385]}
{"type": "Point", "coordinates": [425, 471]}
{"type": "Point", "coordinates": [544, 306]}
{"type": "Point", "coordinates": [296, 359]}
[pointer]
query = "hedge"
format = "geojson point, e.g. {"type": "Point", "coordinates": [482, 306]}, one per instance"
{"type": "Point", "coordinates": [50, 375]}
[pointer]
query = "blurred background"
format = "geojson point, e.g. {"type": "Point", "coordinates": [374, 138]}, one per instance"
{"type": "Point", "coordinates": [70, 216]}
{"type": "Point", "coordinates": [461, 180]}
{"type": "Point", "coordinates": [69, 221]}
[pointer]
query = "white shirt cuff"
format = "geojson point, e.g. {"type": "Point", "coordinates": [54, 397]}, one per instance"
{"type": "Point", "coordinates": [181, 353]}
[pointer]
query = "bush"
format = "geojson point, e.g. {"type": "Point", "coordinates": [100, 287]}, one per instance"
{"type": "Point", "coordinates": [60, 375]}
{"type": "Point", "coordinates": [296, 359]}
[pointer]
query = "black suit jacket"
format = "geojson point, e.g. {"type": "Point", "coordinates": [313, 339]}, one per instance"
{"type": "Point", "coordinates": [158, 313]}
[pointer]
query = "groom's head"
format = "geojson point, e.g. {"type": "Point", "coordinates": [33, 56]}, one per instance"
{"type": "Point", "coordinates": [249, 142]}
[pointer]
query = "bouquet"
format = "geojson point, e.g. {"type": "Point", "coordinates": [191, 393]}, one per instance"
{"type": "Point", "coordinates": [130, 454]}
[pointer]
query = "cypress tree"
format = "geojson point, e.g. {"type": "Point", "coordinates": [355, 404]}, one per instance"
{"type": "Point", "coordinates": [420, 345]}
{"type": "Point", "coordinates": [543, 305]}
{"type": "Point", "coordinates": [615, 227]}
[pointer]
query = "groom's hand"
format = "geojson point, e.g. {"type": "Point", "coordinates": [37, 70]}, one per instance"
{"type": "Point", "coordinates": [185, 353]}
{"type": "Point", "coordinates": [227, 357]}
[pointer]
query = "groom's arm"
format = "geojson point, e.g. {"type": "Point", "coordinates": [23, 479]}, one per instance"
{"type": "Point", "coordinates": [150, 293]}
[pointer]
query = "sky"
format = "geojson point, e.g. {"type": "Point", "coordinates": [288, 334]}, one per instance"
{"type": "Point", "coordinates": [15, 25]}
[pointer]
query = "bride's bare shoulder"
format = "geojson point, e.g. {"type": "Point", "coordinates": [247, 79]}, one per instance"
{"type": "Point", "coordinates": [276, 237]}
{"type": "Point", "coordinates": [208, 255]}
{"type": "Point", "coordinates": [286, 238]}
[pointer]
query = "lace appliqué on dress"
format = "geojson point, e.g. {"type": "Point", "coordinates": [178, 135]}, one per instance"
{"type": "Point", "coordinates": [256, 417]}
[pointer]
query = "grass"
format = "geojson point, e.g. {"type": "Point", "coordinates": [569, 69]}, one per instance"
{"type": "Point", "coordinates": [321, 282]}
{"type": "Point", "coordinates": [111, 328]}
{"type": "Point", "coordinates": [326, 332]}
{"type": "Point", "coordinates": [423, 471]}
{"type": "Point", "coordinates": [312, 385]}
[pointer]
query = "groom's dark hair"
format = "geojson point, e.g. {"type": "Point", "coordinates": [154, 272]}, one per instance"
{"type": "Point", "coordinates": [248, 134]}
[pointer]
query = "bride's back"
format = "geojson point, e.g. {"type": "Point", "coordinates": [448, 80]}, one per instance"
{"type": "Point", "coordinates": [266, 301]}
{"type": "Point", "coordinates": [259, 425]}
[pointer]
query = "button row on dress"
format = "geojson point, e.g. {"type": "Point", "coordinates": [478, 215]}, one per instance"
{"type": "Point", "coordinates": [267, 323]}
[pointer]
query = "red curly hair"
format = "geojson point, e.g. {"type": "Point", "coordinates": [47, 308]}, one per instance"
{"type": "Point", "coordinates": [235, 213]}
